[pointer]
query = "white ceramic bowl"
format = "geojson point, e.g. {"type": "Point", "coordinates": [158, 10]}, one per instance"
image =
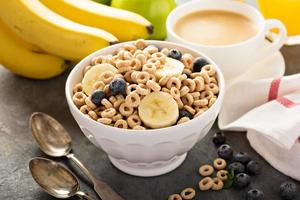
{"type": "Point", "coordinates": [144, 152]}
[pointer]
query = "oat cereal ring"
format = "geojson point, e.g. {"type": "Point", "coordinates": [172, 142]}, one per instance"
{"type": "Point", "coordinates": [212, 101]}
{"type": "Point", "coordinates": [217, 184]}
{"type": "Point", "coordinates": [190, 84]}
{"type": "Point", "coordinates": [120, 97]}
{"type": "Point", "coordinates": [133, 121]}
{"type": "Point", "coordinates": [206, 184]}
{"type": "Point", "coordinates": [212, 87]}
{"type": "Point", "coordinates": [206, 94]}
{"type": "Point", "coordinates": [205, 76]}
{"type": "Point", "coordinates": [120, 54]}
{"type": "Point", "coordinates": [140, 44]}
{"type": "Point", "coordinates": [195, 94]}
{"type": "Point", "coordinates": [179, 103]}
{"type": "Point", "coordinates": [118, 76]}
{"type": "Point", "coordinates": [195, 75]}
{"type": "Point", "coordinates": [201, 102]}
{"type": "Point", "coordinates": [97, 60]}
{"type": "Point", "coordinates": [123, 70]}
{"type": "Point", "coordinates": [142, 89]}
{"type": "Point", "coordinates": [106, 103]}
{"type": "Point", "coordinates": [166, 90]}
{"type": "Point", "coordinates": [108, 113]}
{"type": "Point", "coordinates": [149, 67]}
{"type": "Point", "coordinates": [130, 47]}
{"type": "Point", "coordinates": [85, 109]}
{"type": "Point", "coordinates": [187, 71]}
{"type": "Point", "coordinates": [99, 85]}
{"type": "Point", "coordinates": [137, 52]}
{"type": "Point", "coordinates": [200, 85]}
{"type": "Point", "coordinates": [211, 70]}
{"type": "Point", "coordinates": [117, 117]}
{"type": "Point", "coordinates": [204, 108]}
{"type": "Point", "coordinates": [174, 82]}
{"type": "Point", "coordinates": [150, 49]}
{"type": "Point", "coordinates": [123, 63]}
{"type": "Point", "coordinates": [189, 99]}
{"type": "Point", "coordinates": [106, 121]}
{"type": "Point", "coordinates": [89, 103]}
{"type": "Point", "coordinates": [133, 76]}
{"type": "Point", "coordinates": [139, 128]}
{"type": "Point", "coordinates": [206, 170]}
{"type": "Point", "coordinates": [136, 64]}
{"type": "Point", "coordinates": [107, 77]}
{"type": "Point", "coordinates": [106, 90]}
{"type": "Point", "coordinates": [155, 62]}
{"type": "Point", "coordinates": [174, 197]}
{"type": "Point", "coordinates": [117, 104]}
{"type": "Point", "coordinates": [131, 88]}
{"type": "Point", "coordinates": [142, 58]}
{"type": "Point", "coordinates": [133, 99]}
{"type": "Point", "coordinates": [165, 51]}
{"type": "Point", "coordinates": [112, 99]}
{"type": "Point", "coordinates": [187, 60]}
{"type": "Point", "coordinates": [219, 164]}
{"type": "Point", "coordinates": [93, 115]}
{"type": "Point", "coordinates": [121, 123]}
{"type": "Point", "coordinates": [183, 120]}
{"type": "Point", "coordinates": [86, 69]}
{"type": "Point", "coordinates": [189, 109]}
{"type": "Point", "coordinates": [213, 80]}
{"type": "Point", "coordinates": [77, 88]}
{"type": "Point", "coordinates": [182, 77]}
{"type": "Point", "coordinates": [152, 77]}
{"type": "Point", "coordinates": [125, 109]}
{"type": "Point", "coordinates": [127, 76]}
{"type": "Point", "coordinates": [222, 175]}
{"type": "Point", "coordinates": [79, 99]}
{"type": "Point", "coordinates": [127, 55]}
{"type": "Point", "coordinates": [142, 77]}
{"type": "Point", "coordinates": [152, 85]}
{"type": "Point", "coordinates": [159, 56]}
{"type": "Point", "coordinates": [163, 80]}
{"type": "Point", "coordinates": [175, 93]}
{"type": "Point", "coordinates": [184, 91]}
{"type": "Point", "coordinates": [188, 193]}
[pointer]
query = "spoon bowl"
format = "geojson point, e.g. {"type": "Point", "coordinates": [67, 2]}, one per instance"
{"type": "Point", "coordinates": [50, 135]}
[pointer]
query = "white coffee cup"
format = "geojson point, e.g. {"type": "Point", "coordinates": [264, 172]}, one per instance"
{"type": "Point", "coordinates": [233, 59]}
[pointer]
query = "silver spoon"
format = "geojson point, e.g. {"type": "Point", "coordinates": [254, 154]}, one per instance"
{"type": "Point", "coordinates": [55, 179]}
{"type": "Point", "coordinates": [55, 141]}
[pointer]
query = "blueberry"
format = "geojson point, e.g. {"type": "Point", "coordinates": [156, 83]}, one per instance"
{"type": "Point", "coordinates": [241, 180]}
{"type": "Point", "coordinates": [117, 86]}
{"type": "Point", "coordinates": [219, 138]}
{"type": "Point", "coordinates": [242, 157]}
{"type": "Point", "coordinates": [225, 152]}
{"type": "Point", "coordinates": [255, 194]}
{"type": "Point", "coordinates": [185, 113]}
{"type": "Point", "coordinates": [97, 97]}
{"type": "Point", "coordinates": [288, 191]}
{"type": "Point", "coordinates": [174, 53]}
{"type": "Point", "coordinates": [253, 167]}
{"type": "Point", "coordinates": [199, 63]}
{"type": "Point", "coordinates": [236, 167]}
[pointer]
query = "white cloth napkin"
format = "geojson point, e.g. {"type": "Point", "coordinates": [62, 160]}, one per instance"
{"type": "Point", "coordinates": [269, 110]}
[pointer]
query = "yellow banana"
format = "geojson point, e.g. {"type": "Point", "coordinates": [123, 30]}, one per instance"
{"type": "Point", "coordinates": [20, 57]}
{"type": "Point", "coordinates": [123, 24]}
{"type": "Point", "coordinates": [34, 22]}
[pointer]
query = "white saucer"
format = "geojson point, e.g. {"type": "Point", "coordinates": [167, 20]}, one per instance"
{"type": "Point", "coordinates": [271, 67]}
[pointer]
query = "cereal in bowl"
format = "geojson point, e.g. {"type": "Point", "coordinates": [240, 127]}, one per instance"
{"type": "Point", "coordinates": [143, 87]}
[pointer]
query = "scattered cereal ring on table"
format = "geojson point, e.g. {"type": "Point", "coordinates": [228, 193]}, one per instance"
{"type": "Point", "coordinates": [205, 184]}
{"type": "Point", "coordinates": [219, 164]}
{"type": "Point", "coordinates": [188, 193]}
{"type": "Point", "coordinates": [206, 170]}
{"type": "Point", "coordinates": [175, 197]}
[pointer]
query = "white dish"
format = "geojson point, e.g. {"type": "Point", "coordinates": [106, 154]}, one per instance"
{"type": "Point", "coordinates": [144, 152]}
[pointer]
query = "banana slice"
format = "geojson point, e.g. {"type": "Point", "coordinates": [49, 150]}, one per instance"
{"type": "Point", "coordinates": [93, 75]}
{"type": "Point", "coordinates": [171, 68]}
{"type": "Point", "coordinates": [158, 110]}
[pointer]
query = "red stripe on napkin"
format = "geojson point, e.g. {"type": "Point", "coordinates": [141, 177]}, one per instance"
{"type": "Point", "coordinates": [274, 88]}
{"type": "Point", "coordinates": [286, 102]}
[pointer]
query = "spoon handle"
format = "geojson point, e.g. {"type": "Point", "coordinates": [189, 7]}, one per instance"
{"type": "Point", "coordinates": [104, 191]}
{"type": "Point", "coordinates": [83, 196]}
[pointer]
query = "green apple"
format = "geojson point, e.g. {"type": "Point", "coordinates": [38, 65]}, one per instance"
{"type": "Point", "coordinates": [107, 2]}
{"type": "Point", "coordinates": [156, 11]}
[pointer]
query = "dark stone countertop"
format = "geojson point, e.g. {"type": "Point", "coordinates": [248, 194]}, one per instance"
{"type": "Point", "coordinates": [20, 97]}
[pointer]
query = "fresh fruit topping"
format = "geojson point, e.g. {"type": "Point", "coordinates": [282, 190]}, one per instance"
{"type": "Point", "coordinates": [97, 97]}
{"type": "Point", "coordinates": [158, 110]}
{"type": "Point", "coordinates": [219, 138]}
{"type": "Point", "coordinates": [172, 67]}
{"type": "Point", "coordinates": [236, 167]}
{"type": "Point", "coordinates": [255, 194]}
{"type": "Point", "coordinates": [253, 167]}
{"type": "Point", "coordinates": [94, 74]}
{"type": "Point", "coordinates": [199, 63]}
{"type": "Point", "coordinates": [185, 113]}
{"type": "Point", "coordinates": [241, 180]}
{"type": "Point", "coordinates": [225, 152]}
{"type": "Point", "coordinates": [117, 86]}
{"type": "Point", "coordinates": [288, 191]}
{"type": "Point", "coordinates": [174, 53]}
{"type": "Point", "coordinates": [242, 157]}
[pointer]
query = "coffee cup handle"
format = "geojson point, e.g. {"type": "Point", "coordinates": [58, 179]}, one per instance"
{"type": "Point", "coordinates": [278, 40]}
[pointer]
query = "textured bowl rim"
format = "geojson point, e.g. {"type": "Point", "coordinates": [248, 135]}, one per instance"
{"type": "Point", "coordinates": [221, 84]}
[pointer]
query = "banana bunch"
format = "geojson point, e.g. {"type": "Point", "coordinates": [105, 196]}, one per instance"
{"type": "Point", "coordinates": [37, 36]}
